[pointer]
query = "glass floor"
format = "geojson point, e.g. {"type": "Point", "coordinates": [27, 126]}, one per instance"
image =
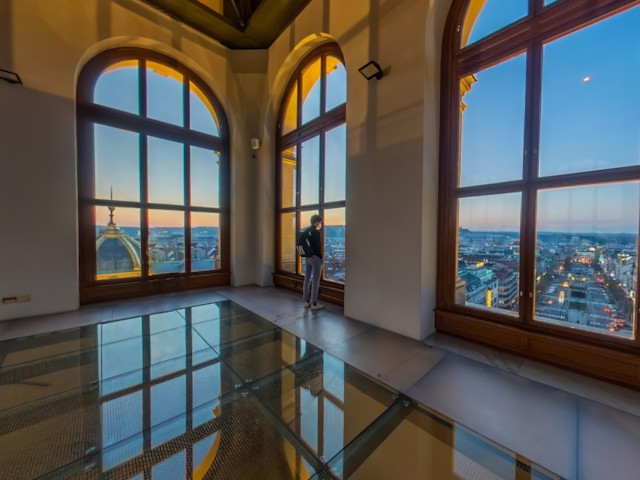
{"type": "Point", "coordinates": [216, 392]}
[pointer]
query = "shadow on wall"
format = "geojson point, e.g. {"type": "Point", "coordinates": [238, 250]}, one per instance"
{"type": "Point", "coordinates": [6, 55]}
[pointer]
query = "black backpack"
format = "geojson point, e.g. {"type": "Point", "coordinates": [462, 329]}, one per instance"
{"type": "Point", "coordinates": [303, 245]}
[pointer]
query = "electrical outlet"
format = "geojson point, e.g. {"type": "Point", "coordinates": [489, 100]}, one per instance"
{"type": "Point", "coordinates": [17, 299]}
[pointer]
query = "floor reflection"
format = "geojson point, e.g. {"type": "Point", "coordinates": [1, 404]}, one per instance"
{"type": "Point", "coordinates": [215, 391]}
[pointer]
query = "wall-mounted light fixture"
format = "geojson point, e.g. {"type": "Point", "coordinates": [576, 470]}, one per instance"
{"type": "Point", "coordinates": [371, 70]}
{"type": "Point", "coordinates": [11, 77]}
{"type": "Point", "coordinates": [255, 144]}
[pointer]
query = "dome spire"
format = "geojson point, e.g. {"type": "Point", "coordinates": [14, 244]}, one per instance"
{"type": "Point", "coordinates": [111, 210]}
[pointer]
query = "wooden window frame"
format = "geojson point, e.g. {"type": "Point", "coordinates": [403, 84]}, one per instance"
{"type": "Point", "coordinates": [89, 113]}
{"type": "Point", "coordinates": [336, 117]}
{"type": "Point", "coordinates": [603, 356]}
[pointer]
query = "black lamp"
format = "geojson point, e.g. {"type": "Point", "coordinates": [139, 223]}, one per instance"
{"type": "Point", "coordinates": [371, 70]}
{"type": "Point", "coordinates": [11, 77]}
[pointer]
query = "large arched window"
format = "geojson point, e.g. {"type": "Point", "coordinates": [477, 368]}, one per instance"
{"type": "Point", "coordinates": [311, 172]}
{"type": "Point", "coordinates": [153, 178]}
{"type": "Point", "coordinates": [540, 175]}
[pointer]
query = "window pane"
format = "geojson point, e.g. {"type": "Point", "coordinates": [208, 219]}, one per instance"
{"type": "Point", "coordinates": [590, 98]}
{"type": "Point", "coordinates": [118, 87]}
{"type": "Point", "coordinates": [336, 83]}
{"type": "Point", "coordinates": [205, 241]}
{"type": "Point", "coordinates": [166, 171]}
{"type": "Point", "coordinates": [335, 154]}
{"type": "Point", "coordinates": [202, 116]}
{"type": "Point", "coordinates": [289, 177]}
{"type": "Point", "coordinates": [288, 234]}
{"type": "Point", "coordinates": [168, 406]}
{"type": "Point", "coordinates": [290, 120]}
{"type": "Point", "coordinates": [166, 242]}
{"type": "Point", "coordinates": [549, 2]}
{"type": "Point", "coordinates": [117, 163]}
{"type": "Point", "coordinates": [493, 124]}
{"type": "Point", "coordinates": [489, 252]}
{"type": "Point", "coordinates": [482, 21]}
{"type": "Point", "coordinates": [165, 94]}
{"type": "Point", "coordinates": [586, 257]}
{"type": "Point", "coordinates": [310, 184]}
{"type": "Point", "coordinates": [117, 243]}
{"type": "Point", "coordinates": [311, 91]}
{"type": "Point", "coordinates": [205, 178]}
{"type": "Point", "coordinates": [334, 225]}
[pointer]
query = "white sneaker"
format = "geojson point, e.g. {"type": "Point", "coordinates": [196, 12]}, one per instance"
{"type": "Point", "coordinates": [316, 306]}
{"type": "Point", "coordinates": [307, 304]}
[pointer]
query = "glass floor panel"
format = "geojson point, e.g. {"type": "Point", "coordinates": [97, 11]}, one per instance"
{"type": "Point", "coordinates": [216, 392]}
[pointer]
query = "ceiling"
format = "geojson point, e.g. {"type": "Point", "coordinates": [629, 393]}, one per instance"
{"type": "Point", "coordinates": [237, 24]}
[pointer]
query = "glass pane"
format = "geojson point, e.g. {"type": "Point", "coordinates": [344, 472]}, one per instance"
{"type": "Point", "coordinates": [335, 166]}
{"type": "Point", "coordinates": [166, 171]}
{"type": "Point", "coordinates": [205, 241]}
{"type": "Point", "coordinates": [310, 184]}
{"type": "Point", "coordinates": [166, 242]}
{"type": "Point", "coordinates": [288, 258]}
{"type": "Point", "coordinates": [205, 178]}
{"type": "Point", "coordinates": [549, 2]}
{"type": "Point", "coordinates": [121, 419]}
{"type": "Point", "coordinates": [484, 18]}
{"type": "Point", "coordinates": [165, 94]}
{"type": "Point", "coordinates": [120, 348]}
{"type": "Point", "coordinates": [336, 83]}
{"type": "Point", "coordinates": [168, 343]}
{"type": "Point", "coordinates": [290, 120]}
{"type": "Point", "coordinates": [206, 391]}
{"type": "Point", "coordinates": [289, 177]}
{"type": "Point", "coordinates": [311, 91]}
{"type": "Point", "coordinates": [117, 243]}
{"type": "Point", "coordinates": [586, 257]}
{"type": "Point", "coordinates": [202, 116]}
{"type": "Point", "coordinates": [118, 87]}
{"type": "Point", "coordinates": [590, 98]}
{"type": "Point", "coordinates": [170, 469]}
{"type": "Point", "coordinates": [117, 163]}
{"type": "Point", "coordinates": [489, 252]}
{"type": "Point", "coordinates": [334, 225]}
{"type": "Point", "coordinates": [493, 124]}
{"type": "Point", "coordinates": [168, 406]}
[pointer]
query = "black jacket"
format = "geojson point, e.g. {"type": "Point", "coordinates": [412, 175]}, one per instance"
{"type": "Point", "coordinates": [316, 241]}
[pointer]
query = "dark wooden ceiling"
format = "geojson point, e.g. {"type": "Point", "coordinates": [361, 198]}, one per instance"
{"type": "Point", "coordinates": [237, 24]}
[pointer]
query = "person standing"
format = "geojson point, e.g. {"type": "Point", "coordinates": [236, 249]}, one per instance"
{"type": "Point", "coordinates": [313, 266]}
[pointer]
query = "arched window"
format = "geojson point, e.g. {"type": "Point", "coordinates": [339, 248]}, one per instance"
{"type": "Point", "coordinates": [153, 178]}
{"type": "Point", "coordinates": [540, 169]}
{"type": "Point", "coordinates": [311, 168]}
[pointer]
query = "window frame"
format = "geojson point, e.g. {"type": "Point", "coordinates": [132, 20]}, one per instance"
{"type": "Point", "coordinates": [542, 25]}
{"type": "Point", "coordinates": [89, 113]}
{"type": "Point", "coordinates": [334, 118]}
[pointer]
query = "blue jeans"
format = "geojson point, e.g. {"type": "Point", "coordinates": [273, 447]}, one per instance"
{"type": "Point", "coordinates": [313, 269]}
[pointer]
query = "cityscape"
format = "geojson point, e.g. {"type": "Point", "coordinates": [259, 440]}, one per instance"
{"type": "Point", "coordinates": [585, 281]}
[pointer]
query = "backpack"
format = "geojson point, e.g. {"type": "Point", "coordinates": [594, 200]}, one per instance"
{"type": "Point", "coordinates": [303, 244]}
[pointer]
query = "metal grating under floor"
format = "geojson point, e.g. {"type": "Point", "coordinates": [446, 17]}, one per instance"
{"type": "Point", "coordinates": [216, 392]}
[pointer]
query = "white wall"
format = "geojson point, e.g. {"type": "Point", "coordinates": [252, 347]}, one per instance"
{"type": "Point", "coordinates": [47, 43]}
{"type": "Point", "coordinates": [392, 152]}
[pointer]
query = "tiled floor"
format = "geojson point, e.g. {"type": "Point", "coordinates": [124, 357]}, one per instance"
{"type": "Point", "coordinates": [122, 390]}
